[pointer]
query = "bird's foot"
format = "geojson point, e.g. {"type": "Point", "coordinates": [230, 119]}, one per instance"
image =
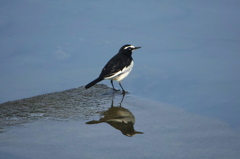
{"type": "Point", "coordinates": [116, 90]}
{"type": "Point", "coordinates": [125, 92]}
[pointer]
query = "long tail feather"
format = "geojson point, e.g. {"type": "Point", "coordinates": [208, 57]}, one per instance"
{"type": "Point", "coordinates": [93, 83]}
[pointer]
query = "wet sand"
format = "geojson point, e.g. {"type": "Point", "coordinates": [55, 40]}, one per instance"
{"type": "Point", "coordinates": [68, 104]}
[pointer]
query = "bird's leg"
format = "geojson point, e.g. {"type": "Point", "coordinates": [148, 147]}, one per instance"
{"type": "Point", "coordinates": [123, 91]}
{"type": "Point", "coordinates": [122, 99]}
{"type": "Point", "coordinates": [113, 85]}
{"type": "Point", "coordinates": [112, 103]}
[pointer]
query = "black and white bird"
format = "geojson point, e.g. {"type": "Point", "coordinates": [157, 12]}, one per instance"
{"type": "Point", "coordinates": [118, 67]}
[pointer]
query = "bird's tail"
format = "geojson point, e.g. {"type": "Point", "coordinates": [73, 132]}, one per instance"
{"type": "Point", "coordinates": [94, 122]}
{"type": "Point", "coordinates": [93, 83]}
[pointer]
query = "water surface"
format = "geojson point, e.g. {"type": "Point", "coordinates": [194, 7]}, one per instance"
{"type": "Point", "coordinates": [161, 131]}
{"type": "Point", "coordinates": [189, 59]}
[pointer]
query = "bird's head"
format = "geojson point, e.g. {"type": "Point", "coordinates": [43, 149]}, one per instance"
{"type": "Point", "coordinates": [128, 48]}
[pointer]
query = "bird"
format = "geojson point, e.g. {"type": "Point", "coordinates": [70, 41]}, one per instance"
{"type": "Point", "coordinates": [117, 68]}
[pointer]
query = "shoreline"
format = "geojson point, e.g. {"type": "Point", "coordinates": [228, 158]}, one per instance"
{"type": "Point", "coordinates": [69, 104]}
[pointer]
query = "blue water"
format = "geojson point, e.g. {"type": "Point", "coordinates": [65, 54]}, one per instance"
{"type": "Point", "coordinates": [189, 56]}
{"type": "Point", "coordinates": [189, 60]}
{"type": "Point", "coordinates": [168, 132]}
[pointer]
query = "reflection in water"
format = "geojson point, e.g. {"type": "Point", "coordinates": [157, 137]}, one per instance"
{"type": "Point", "coordinates": [119, 118]}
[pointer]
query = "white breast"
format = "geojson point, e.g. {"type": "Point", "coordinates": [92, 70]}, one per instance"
{"type": "Point", "coordinates": [122, 74]}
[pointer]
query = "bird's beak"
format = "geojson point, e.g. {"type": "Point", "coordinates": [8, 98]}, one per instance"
{"type": "Point", "coordinates": [136, 48]}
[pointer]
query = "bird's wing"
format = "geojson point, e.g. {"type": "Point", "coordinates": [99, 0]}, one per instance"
{"type": "Point", "coordinates": [115, 67]}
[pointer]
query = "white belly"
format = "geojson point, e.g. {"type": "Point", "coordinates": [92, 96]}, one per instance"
{"type": "Point", "coordinates": [122, 74]}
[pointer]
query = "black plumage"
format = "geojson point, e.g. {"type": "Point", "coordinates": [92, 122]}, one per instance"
{"type": "Point", "coordinates": [118, 67]}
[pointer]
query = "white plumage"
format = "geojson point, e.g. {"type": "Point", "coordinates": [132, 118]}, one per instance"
{"type": "Point", "coordinates": [121, 74]}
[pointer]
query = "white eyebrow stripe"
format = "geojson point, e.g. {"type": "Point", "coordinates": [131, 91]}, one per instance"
{"type": "Point", "coordinates": [129, 46]}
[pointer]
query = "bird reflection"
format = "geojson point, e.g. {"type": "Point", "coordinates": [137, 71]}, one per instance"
{"type": "Point", "coordinates": [119, 118]}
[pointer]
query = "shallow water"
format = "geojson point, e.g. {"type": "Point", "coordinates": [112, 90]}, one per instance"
{"type": "Point", "coordinates": [189, 56]}
{"type": "Point", "coordinates": [189, 59]}
{"type": "Point", "coordinates": [167, 132]}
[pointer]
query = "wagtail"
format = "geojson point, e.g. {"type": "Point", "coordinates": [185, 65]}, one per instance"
{"type": "Point", "coordinates": [118, 67]}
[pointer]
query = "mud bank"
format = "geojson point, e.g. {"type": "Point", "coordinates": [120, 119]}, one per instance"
{"type": "Point", "coordinates": [69, 104]}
